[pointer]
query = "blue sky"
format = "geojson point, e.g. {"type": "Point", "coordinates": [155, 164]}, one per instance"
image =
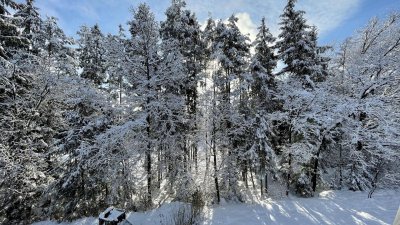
{"type": "Point", "coordinates": [335, 19]}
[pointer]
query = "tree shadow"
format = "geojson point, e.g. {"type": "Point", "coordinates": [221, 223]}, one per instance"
{"type": "Point", "coordinates": [325, 210]}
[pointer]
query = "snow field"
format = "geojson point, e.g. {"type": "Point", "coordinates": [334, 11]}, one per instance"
{"type": "Point", "coordinates": [329, 208]}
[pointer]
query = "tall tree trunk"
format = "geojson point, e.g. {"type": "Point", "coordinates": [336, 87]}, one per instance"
{"type": "Point", "coordinates": [266, 182]}
{"type": "Point", "coordinates": [252, 178]}
{"type": "Point", "coordinates": [195, 150]}
{"type": "Point", "coordinates": [340, 168]}
{"type": "Point", "coordinates": [288, 175]}
{"type": "Point", "coordinates": [215, 152]}
{"type": "Point", "coordinates": [148, 130]}
{"type": "Point", "coordinates": [263, 171]}
{"type": "Point", "coordinates": [195, 157]}
{"type": "Point", "coordinates": [215, 167]}
{"type": "Point", "coordinates": [120, 89]}
{"type": "Point", "coordinates": [375, 181]}
{"type": "Point", "coordinates": [159, 175]}
{"type": "Point", "coordinates": [261, 185]}
{"type": "Point", "coordinates": [315, 166]}
{"type": "Point", "coordinates": [289, 164]}
{"type": "Point", "coordinates": [148, 169]}
{"type": "Point", "coordinates": [206, 173]}
{"type": "Point", "coordinates": [186, 156]}
{"type": "Point", "coordinates": [244, 175]}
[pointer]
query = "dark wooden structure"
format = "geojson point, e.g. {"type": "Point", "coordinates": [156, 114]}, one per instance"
{"type": "Point", "coordinates": [113, 216]}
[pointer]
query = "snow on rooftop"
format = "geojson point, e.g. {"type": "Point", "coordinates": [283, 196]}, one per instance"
{"type": "Point", "coordinates": [111, 214]}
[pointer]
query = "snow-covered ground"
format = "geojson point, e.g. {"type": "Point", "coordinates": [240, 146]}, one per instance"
{"type": "Point", "coordinates": [330, 208]}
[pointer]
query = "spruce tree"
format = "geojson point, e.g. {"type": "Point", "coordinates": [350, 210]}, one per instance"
{"type": "Point", "coordinates": [264, 57]}
{"type": "Point", "coordinates": [298, 48]}
{"type": "Point", "coordinates": [26, 125]}
{"type": "Point", "coordinates": [208, 36]}
{"type": "Point", "coordinates": [173, 125]}
{"type": "Point", "coordinates": [4, 4]}
{"type": "Point", "coordinates": [319, 61]}
{"type": "Point", "coordinates": [91, 54]}
{"type": "Point", "coordinates": [294, 46]}
{"type": "Point", "coordinates": [117, 63]}
{"type": "Point", "coordinates": [263, 101]}
{"type": "Point", "coordinates": [54, 48]}
{"type": "Point", "coordinates": [30, 21]}
{"type": "Point", "coordinates": [143, 53]}
{"type": "Point", "coordinates": [230, 51]}
{"type": "Point", "coordinates": [304, 66]}
{"type": "Point", "coordinates": [11, 38]}
{"type": "Point", "coordinates": [262, 65]}
{"type": "Point", "coordinates": [182, 25]}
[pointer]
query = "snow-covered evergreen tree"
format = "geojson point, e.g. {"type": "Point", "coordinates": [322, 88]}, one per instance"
{"type": "Point", "coordinates": [230, 50]}
{"type": "Point", "coordinates": [263, 101]}
{"type": "Point", "coordinates": [295, 44]}
{"type": "Point", "coordinates": [264, 59]}
{"type": "Point", "coordinates": [145, 79]}
{"type": "Point", "coordinates": [319, 60]}
{"type": "Point", "coordinates": [305, 66]}
{"type": "Point", "coordinates": [172, 96]}
{"type": "Point", "coordinates": [29, 20]}
{"type": "Point", "coordinates": [263, 84]}
{"type": "Point", "coordinates": [182, 25]}
{"type": "Point", "coordinates": [23, 140]}
{"type": "Point", "coordinates": [172, 122]}
{"type": "Point", "coordinates": [55, 49]}
{"type": "Point", "coordinates": [117, 64]}
{"type": "Point", "coordinates": [91, 54]}
{"type": "Point", "coordinates": [11, 38]}
{"type": "Point", "coordinates": [28, 124]}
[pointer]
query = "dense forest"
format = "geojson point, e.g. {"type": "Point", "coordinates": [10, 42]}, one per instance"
{"type": "Point", "coordinates": [179, 111]}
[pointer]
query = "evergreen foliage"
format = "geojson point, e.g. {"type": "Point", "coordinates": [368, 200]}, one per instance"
{"type": "Point", "coordinates": [91, 54]}
{"type": "Point", "coordinates": [174, 112]}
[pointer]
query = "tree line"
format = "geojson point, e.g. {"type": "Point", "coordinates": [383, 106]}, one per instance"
{"type": "Point", "coordinates": [173, 111]}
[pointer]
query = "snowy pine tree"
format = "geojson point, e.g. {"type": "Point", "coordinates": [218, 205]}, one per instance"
{"type": "Point", "coordinates": [172, 123]}
{"type": "Point", "coordinates": [143, 53]}
{"type": "Point", "coordinates": [182, 25]}
{"type": "Point", "coordinates": [11, 38]}
{"type": "Point", "coordinates": [29, 20]}
{"type": "Point", "coordinates": [91, 54]}
{"type": "Point", "coordinates": [55, 49]}
{"type": "Point", "coordinates": [295, 44]}
{"type": "Point", "coordinates": [148, 111]}
{"type": "Point", "coordinates": [263, 101]}
{"type": "Point", "coordinates": [230, 50]}
{"type": "Point", "coordinates": [117, 63]}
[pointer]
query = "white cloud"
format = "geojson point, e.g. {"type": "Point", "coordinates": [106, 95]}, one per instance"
{"type": "Point", "coordinates": [246, 25]}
